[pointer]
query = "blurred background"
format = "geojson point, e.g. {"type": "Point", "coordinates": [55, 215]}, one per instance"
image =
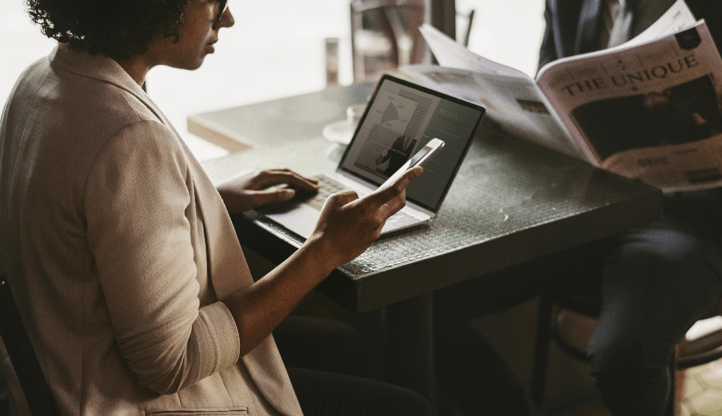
{"type": "Point", "coordinates": [275, 49]}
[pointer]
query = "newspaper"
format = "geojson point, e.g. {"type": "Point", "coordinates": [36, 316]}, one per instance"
{"type": "Point", "coordinates": [650, 109]}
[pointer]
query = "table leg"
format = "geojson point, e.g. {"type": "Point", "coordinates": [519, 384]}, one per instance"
{"type": "Point", "coordinates": [408, 352]}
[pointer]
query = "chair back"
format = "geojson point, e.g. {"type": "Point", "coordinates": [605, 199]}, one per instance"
{"type": "Point", "coordinates": [385, 35]}
{"type": "Point", "coordinates": [464, 22]}
{"type": "Point", "coordinates": [22, 355]}
{"type": "Point", "coordinates": [703, 342]}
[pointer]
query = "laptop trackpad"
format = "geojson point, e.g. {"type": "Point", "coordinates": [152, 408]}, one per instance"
{"type": "Point", "coordinates": [301, 219]}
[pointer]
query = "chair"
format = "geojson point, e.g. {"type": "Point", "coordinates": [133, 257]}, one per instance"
{"type": "Point", "coordinates": [25, 362]}
{"type": "Point", "coordinates": [385, 35]}
{"type": "Point", "coordinates": [688, 353]}
{"type": "Point", "coordinates": [463, 26]}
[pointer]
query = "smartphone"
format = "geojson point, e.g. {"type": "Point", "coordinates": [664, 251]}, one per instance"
{"type": "Point", "coordinates": [419, 159]}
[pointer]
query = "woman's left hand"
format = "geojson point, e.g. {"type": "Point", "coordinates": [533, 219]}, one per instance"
{"type": "Point", "coordinates": [251, 190]}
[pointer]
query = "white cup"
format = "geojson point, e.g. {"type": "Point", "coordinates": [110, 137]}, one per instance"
{"type": "Point", "coordinates": [354, 113]}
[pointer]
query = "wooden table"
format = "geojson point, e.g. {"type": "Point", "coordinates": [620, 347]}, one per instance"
{"type": "Point", "coordinates": [511, 202]}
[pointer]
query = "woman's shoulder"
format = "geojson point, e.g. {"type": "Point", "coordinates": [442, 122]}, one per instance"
{"type": "Point", "coordinates": [84, 83]}
{"type": "Point", "coordinates": [79, 104]}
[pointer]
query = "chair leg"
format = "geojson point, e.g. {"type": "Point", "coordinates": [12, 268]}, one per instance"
{"type": "Point", "coordinates": [672, 399]}
{"type": "Point", "coordinates": [671, 403]}
{"type": "Point", "coordinates": [541, 350]}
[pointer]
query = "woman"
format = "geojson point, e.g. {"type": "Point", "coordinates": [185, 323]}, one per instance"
{"type": "Point", "coordinates": [120, 251]}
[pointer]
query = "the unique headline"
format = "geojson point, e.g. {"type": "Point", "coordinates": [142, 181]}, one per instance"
{"type": "Point", "coordinates": [632, 79]}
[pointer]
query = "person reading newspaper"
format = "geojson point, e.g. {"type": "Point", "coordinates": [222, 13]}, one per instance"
{"type": "Point", "coordinates": [658, 279]}
{"type": "Point", "coordinates": [655, 280]}
{"type": "Point", "coordinates": [647, 109]}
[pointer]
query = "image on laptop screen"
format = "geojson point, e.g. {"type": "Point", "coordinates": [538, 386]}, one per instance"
{"type": "Point", "coordinates": [403, 117]}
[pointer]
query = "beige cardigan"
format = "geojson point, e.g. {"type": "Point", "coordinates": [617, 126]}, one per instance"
{"type": "Point", "coordinates": [117, 247]}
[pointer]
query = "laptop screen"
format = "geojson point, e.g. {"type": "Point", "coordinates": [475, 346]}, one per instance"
{"type": "Point", "coordinates": [400, 119]}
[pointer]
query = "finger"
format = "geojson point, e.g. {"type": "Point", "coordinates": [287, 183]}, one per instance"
{"type": "Point", "coordinates": [271, 196]}
{"type": "Point", "coordinates": [342, 198]}
{"type": "Point", "coordinates": [273, 177]}
{"type": "Point", "coordinates": [393, 206]}
{"type": "Point", "coordinates": [407, 177]}
{"type": "Point", "coordinates": [385, 194]}
{"type": "Point", "coordinates": [286, 171]}
{"type": "Point", "coordinates": [301, 182]}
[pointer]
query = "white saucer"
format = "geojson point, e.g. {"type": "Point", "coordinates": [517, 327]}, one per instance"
{"type": "Point", "coordinates": [339, 132]}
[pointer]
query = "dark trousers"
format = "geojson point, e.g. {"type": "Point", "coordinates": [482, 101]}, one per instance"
{"type": "Point", "coordinates": [657, 281]}
{"type": "Point", "coordinates": [654, 281]}
{"type": "Point", "coordinates": [324, 394]}
{"type": "Point", "coordinates": [327, 364]}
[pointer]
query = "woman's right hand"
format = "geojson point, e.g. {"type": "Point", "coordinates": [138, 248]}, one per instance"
{"type": "Point", "coordinates": [349, 224]}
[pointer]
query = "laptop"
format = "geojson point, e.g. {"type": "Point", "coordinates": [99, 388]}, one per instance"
{"type": "Point", "coordinates": [400, 118]}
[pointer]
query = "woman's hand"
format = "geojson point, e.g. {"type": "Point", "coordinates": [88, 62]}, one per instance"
{"type": "Point", "coordinates": [349, 224]}
{"type": "Point", "coordinates": [251, 190]}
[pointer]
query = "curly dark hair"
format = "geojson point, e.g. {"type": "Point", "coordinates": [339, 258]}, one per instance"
{"type": "Point", "coordinates": [116, 28]}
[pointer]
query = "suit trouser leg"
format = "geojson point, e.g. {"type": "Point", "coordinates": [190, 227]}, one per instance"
{"type": "Point", "coordinates": [657, 282]}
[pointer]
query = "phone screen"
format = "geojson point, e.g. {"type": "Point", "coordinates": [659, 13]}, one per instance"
{"type": "Point", "coordinates": [418, 159]}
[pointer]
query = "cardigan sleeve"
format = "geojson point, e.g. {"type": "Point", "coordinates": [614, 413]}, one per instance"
{"type": "Point", "coordinates": [137, 196]}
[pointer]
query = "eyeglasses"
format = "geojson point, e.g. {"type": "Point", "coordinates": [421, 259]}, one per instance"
{"type": "Point", "coordinates": [222, 6]}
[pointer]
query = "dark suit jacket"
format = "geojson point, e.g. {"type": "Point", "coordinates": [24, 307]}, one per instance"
{"type": "Point", "coordinates": [572, 26]}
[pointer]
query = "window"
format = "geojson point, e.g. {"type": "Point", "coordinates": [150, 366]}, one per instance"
{"type": "Point", "coordinates": [508, 32]}
{"type": "Point", "coordinates": [276, 48]}
{"type": "Point", "coordinates": [23, 44]}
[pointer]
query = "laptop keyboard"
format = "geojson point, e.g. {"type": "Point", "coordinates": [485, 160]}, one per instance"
{"type": "Point", "coordinates": [328, 186]}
